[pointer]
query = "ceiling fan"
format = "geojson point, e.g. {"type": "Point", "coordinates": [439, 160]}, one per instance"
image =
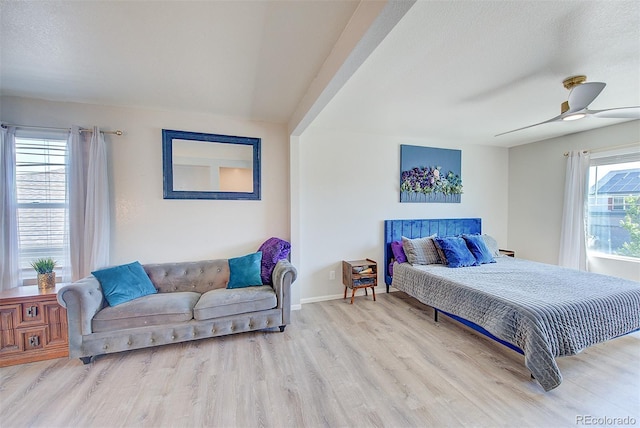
{"type": "Point", "coordinates": [582, 93]}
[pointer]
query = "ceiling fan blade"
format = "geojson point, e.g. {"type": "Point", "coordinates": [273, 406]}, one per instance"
{"type": "Point", "coordinates": [555, 119]}
{"type": "Point", "coordinates": [617, 113]}
{"type": "Point", "coordinates": [582, 95]}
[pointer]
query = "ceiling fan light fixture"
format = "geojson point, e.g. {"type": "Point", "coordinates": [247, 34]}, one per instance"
{"type": "Point", "coordinates": [574, 116]}
{"type": "Point", "coordinates": [582, 93]}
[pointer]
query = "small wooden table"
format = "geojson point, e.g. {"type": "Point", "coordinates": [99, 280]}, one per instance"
{"type": "Point", "coordinates": [358, 274]}
{"type": "Point", "coordinates": [33, 325]}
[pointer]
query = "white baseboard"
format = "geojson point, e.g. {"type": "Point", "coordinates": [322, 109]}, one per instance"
{"type": "Point", "coordinates": [321, 298]}
{"type": "Point", "coordinates": [333, 297]}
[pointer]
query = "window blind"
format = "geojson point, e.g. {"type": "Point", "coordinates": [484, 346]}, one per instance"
{"type": "Point", "coordinates": [41, 199]}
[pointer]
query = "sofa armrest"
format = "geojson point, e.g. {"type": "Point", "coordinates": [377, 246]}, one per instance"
{"type": "Point", "coordinates": [284, 274]}
{"type": "Point", "coordinates": [82, 299]}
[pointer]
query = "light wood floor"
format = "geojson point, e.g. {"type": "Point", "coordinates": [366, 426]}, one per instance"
{"type": "Point", "coordinates": [383, 363]}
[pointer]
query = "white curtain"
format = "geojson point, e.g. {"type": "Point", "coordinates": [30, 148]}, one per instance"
{"type": "Point", "coordinates": [573, 251]}
{"type": "Point", "coordinates": [88, 190]}
{"type": "Point", "coordinates": [76, 194]}
{"type": "Point", "coordinates": [9, 270]}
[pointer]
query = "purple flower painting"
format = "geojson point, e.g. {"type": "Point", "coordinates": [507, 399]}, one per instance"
{"type": "Point", "coordinates": [430, 174]}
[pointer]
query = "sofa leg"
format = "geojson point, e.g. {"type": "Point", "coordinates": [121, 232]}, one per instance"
{"type": "Point", "coordinates": [85, 360]}
{"type": "Point", "coordinates": [282, 328]}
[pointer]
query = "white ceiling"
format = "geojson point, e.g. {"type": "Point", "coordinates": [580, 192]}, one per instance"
{"type": "Point", "coordinates": [457, 71]}
{"type": "Point", "coordinates": [464, 71]}
{"type": "Point", "coordinates": [250, 59]}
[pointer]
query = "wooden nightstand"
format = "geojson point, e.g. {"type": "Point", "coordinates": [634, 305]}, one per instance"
{"type": "Point", "coordinates": [33, 326]}
{"type": "Point", "coordinates": [509, 253]}
{"type": "Point", "coordinates": [358, 274]}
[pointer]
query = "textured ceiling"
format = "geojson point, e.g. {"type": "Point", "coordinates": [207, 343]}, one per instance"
{"type": "Point", "coordinates": [457, 71]}
{"type": "Point", "coordinates": [250, 59]}
{"type": "Point", "coordinates": [464, 71]}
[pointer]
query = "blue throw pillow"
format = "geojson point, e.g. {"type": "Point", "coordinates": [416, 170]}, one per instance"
{"type": "Point", "coordinates": [456, 251]}
{"type": "Point", "coordinates": [479, 248]}
{"type": "Point", "coordinates": [245, 271]}
{"type": "Point", "coordinates": [123, 283]}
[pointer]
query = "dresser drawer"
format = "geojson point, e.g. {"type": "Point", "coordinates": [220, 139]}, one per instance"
{"type": "Point", "coordinates": [32, 338]}
{"type": "Point", "coordinates": [33, 326]}
{"type": "Point", "coordinates": [32, 314]}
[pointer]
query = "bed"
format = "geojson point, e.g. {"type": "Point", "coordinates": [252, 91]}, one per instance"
{"type": "Point", "coordinates": [542, 311]}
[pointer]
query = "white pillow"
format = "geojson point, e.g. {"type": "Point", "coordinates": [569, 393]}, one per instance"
{"type": "Point", "coordinates": [492, 245]}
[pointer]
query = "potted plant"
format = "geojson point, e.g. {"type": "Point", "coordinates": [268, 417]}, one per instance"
{"type": "Point", "coordinates": [46, 276]}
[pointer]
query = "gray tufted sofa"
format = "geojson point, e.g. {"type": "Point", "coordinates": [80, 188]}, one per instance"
{"type": "Point", "coordinates": [192, 303]}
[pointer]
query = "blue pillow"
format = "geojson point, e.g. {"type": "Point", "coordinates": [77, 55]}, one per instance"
{"type": "Point", "coordinates": [456, 251]}
{"type": "Point", "coordinates": [123, 283]}
{"type": "Point", "coordinates": [479, 248]}
{"type": "Point", "coordinates": [245, 271]}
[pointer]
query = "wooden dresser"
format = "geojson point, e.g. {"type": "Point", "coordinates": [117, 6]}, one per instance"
{"type": "Point", "coordinates": [33, 326]}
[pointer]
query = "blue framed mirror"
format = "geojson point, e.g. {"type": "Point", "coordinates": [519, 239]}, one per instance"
{"type": "Point", "coordinates": [210, 166]}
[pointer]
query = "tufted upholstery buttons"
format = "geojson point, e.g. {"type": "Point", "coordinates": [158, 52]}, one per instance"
{"type": "Point", "coordinates": [192, 280]}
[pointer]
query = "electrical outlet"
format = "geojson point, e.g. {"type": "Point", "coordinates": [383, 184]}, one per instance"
{"type": "Point", "coordinates": [332, 275]}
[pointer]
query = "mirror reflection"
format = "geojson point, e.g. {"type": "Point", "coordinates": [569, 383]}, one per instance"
{"type": "Point", "coordinates": [210, 166]}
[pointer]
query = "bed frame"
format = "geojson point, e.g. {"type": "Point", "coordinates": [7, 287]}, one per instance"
{"type": "Point", "coordinates": [394, 230]}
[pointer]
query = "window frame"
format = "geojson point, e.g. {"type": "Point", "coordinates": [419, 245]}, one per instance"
{"type": "Point", "coordinates": [608, 157]}
{"type": "Point", "coordinates": [27, 273]}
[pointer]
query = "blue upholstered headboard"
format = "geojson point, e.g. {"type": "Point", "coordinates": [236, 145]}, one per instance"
{"type": "Point", "coordinates": [394, 230]}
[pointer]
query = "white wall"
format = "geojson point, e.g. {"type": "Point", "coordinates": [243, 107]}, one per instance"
{"type": "Point", "coordinates": [349, 183]}
{"type": "Point", "coordinates": [536, 192]}
{"type": "Point", "coordinates": [145, 226]}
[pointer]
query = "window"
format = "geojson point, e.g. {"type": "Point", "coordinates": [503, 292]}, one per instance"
{"type": "Point", "coordinates": [613, 209]}
{"type": "Point", "coordinates": [618, 203]}
{"type": "Point", "coordinates": [41, 200]}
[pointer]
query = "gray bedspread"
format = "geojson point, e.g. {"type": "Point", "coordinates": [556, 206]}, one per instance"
{"type": "Point", "coordinates": [545, 310]}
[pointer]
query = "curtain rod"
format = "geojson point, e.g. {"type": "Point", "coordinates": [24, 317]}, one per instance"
{"type": "Point", "coordinates": [605, 149]}
{"type": "Point", "coordinates": [5, 125]}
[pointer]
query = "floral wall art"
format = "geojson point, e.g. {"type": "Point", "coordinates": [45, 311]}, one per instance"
{"type": "Point", "coordinates": [429, 174]}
